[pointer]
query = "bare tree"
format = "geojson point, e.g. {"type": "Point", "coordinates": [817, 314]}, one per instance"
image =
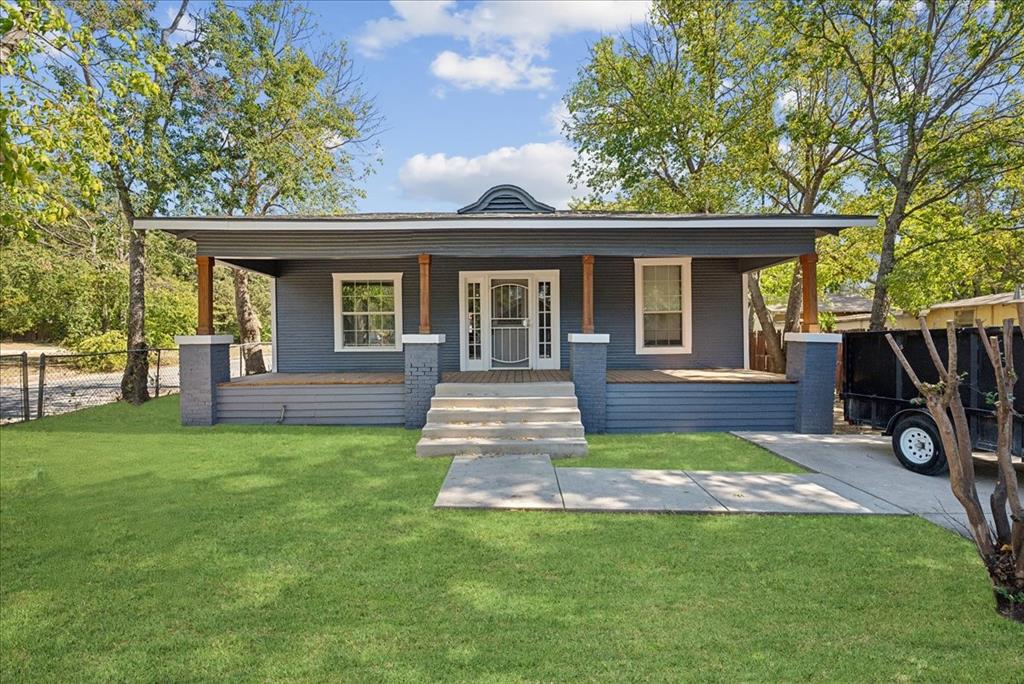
{"type": "Point", "coordinates": [999, 544]}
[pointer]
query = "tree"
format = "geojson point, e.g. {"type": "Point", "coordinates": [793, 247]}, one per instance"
{"type": "Point", "coordinates": [801, 146]}
{"type": "Point", "coordinates": [656, 114]}
{"type": "Point", "coordinates": [292, 119]}
{"type": "Point", "coordinates": [1001, 545]}
{"type": "Point", "coordinates": [121, 81]}
{"type": "Point", "coordinates": [941, 82]}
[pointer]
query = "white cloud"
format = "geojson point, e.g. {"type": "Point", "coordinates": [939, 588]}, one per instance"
{"type": "Point", "coordinates": [542, 169]}
{"type": "Point", "coordinates": [516, 32]}
{"type": "Point", "coordinates": [529, 24]}
{"type": "Point", "coordinates": [557, 116]}
{"type": "Point", "coordinates": [492, 72]}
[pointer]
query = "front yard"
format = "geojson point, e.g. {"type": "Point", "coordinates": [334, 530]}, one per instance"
{"type": "Point", "coordinates": [132, 548]}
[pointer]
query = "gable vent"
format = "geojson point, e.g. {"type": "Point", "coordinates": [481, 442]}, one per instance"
{"type": "Point", "coordinates": [506, 199]}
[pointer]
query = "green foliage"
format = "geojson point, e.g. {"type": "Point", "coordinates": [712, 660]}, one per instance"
{"type": "Point", "coordinates": [170, 310]}
{"type": "Point", "coordinates": [114, 340]}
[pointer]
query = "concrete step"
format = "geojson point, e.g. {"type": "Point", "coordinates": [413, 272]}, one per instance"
{"type": "Point", "coordinates": [505, 389]}
{"type": "Point", "coordinates": [503, 402]}
{"type": "Point", "coordinates": [556, 447]}
{"type": "Point", "coordinates": [503, 430]}
{"type": "Point", "coordinates": [503, 415]}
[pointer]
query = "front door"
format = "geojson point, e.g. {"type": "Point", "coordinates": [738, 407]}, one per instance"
{"type": "Point", "coordinates": [509, 320]}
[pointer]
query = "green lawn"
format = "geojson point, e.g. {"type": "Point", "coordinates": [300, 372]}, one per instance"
{"type": "Point", "coordinates": [693, 451]}
{"type": "Point", "coordinates": [134, 549]}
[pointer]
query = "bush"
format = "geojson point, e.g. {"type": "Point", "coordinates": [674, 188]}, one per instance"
{"type": "Point", "coordinates": [107, 342]}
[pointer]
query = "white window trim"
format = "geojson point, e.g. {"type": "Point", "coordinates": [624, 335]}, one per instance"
{"type": "Point", "coordinates": [638, 304]}
{"type": "Point", "coordinates": [396, 278]}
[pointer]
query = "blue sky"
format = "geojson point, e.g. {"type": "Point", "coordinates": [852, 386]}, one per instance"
{"type": "Point", "coordinates": [470, 92]}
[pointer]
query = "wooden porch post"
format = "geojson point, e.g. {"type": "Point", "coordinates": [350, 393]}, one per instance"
{"type": "Point", "coordinates": [588, 293]}
{"type": "Point", "coordinates": [204, 268]}
{"type": "Point", "coordinates": [424, 260]}
{"type": "Point", "coordinates": [809, 273]}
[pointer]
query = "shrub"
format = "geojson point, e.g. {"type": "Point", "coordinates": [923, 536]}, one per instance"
{"type": "Point", "coordinates": [107, 342]}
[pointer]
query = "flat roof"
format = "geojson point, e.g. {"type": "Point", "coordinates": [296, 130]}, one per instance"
{"type": "Point", "coordinates": [452, 221]}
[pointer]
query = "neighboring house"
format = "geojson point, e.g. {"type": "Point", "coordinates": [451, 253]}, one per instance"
{"type": "Point", "coordinates": [637, 318]}
{"type": "Point", "coordinates": [840, 306]}
{"type": "Point", "coordinates": [991, 309]}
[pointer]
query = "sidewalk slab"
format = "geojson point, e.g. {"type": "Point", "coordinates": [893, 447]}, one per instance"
{"type": "Point", "coordinates": [500, 482]}
{"type": "Point", "coordinates": [650, 491]}
{"type": "Point", "coordinates": [774, 493]}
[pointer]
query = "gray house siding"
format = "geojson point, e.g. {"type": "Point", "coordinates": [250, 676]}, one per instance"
{"type": "Point", "coordinates": [698, 242]}
{"type": "Point", "coordinates": [305, 314]}
{"type": "Point", "coordinates": [312, 404]}
{"type": "Point", "coordinates": [693, 407]}
{"type": "Point", "coordinates": [717, 301]}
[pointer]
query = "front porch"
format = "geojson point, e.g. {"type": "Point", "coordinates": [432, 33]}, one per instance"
{"type": "Point", "coordinates": [614, 376]}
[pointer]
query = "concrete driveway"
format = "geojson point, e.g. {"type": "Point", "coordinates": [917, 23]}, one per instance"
{"type": "Point", "coordinates": [868, 463]}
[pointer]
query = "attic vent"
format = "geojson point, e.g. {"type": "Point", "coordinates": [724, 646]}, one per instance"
{"type": "Point", "coordinates": [505, 199]}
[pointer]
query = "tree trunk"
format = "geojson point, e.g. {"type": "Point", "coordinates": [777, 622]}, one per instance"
{"type": "Point", "coordinates": [795, 301]}
{"type": "Point", "coordinates": [135, 381]}
{"type": "Point", "coordinates": [887, 261]}
{"type": "Point", "coordinates": [249, 332]}
{"type": "Point", "coordinates": [764, 316]}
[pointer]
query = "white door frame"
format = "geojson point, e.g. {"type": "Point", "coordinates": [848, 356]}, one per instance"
{"type": "Point", "coordinates": [485, 278]}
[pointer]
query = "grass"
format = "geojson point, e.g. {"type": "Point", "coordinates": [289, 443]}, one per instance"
{"type": "Point", "coordinates": [691, 451]}
{"type": "Point", "coordinates": [132, 548]}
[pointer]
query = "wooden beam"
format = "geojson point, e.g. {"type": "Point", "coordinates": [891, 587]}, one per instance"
{"type": "Point", "coordinates": [204, 269]}
{"type": "Point", "coordinates": [809, 274]}
{"type": "Point", "coordinates": [424, 260]}
{"type": "Point", "coordinates": [588, 293]}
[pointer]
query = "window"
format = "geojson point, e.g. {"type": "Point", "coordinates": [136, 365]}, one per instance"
{"type": "Point", "coordinates": [367, 311]}
{"type": "Point", "coordinates": [663, 320]}
{"type": "Point", "coordinates": [474, 342]}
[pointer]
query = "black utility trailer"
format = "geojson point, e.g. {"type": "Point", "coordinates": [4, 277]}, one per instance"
{"type": "Point", "coordinates": [877, 392]}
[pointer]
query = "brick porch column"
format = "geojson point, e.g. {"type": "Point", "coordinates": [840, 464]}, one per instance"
{"type": "Point", "coordinates": [588, 368]}
{"type": "Point", "coordinates": [422, 373]}
{"type": "Point", "coordinates": [811, 361]}
{"type": "Point", "coordinates": [203, 363]}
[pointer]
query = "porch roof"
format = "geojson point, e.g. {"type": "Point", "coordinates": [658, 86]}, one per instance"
{"type": "Point", "coordinates": [559, 220]}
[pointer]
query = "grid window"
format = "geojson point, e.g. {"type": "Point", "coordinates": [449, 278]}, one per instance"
{"type": "Point", "coordinates": [475, 341]}
{"type": "Point", "coordinates": [544, 319]}
{"type": "Point", "coordinates": [663, 316]}
{"type": "Point", "coordinates": [368, 312]}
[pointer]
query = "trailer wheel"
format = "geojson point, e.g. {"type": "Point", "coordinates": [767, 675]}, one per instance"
{"type": "Point", "coordinates": [918, 447]}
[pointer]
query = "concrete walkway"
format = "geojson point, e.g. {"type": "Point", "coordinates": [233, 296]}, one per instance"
{"type": "Point", "coordinates": [868, 464]}
{"type": "Point", "coordinates": [531, 482]}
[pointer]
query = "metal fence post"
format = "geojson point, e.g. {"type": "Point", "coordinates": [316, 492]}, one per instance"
{"type": "Point", "coordinates": [42, 382]}
{"type": "Point", "coordinates": [158, 372]}
{"type": "Point", "coordinates": [26, 410]}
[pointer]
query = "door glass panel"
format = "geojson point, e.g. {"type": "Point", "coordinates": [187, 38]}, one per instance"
{"type": "Point", "coordinates": [510, 324]}
{"type": "Point", "coordinates": [473, 322]}
{"type": "Point", "coordinates": [544, 332]}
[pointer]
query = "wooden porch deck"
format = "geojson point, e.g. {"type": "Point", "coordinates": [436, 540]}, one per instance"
{"type": "Point", "coordinates": [272, 379]}
{"type": "Point", "coordinates": [625, 376]}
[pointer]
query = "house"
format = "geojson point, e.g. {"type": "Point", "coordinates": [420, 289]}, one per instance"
{"type": "Point", "coordinates": [508, 321]}
{"type": "Point", "coordinates": [839, 306]}
{"type": "Point", "coordinates": [992, 309]}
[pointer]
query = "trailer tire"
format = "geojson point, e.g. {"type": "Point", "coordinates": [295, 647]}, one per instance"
{"type": "Point", "coordinates": [916, 442]}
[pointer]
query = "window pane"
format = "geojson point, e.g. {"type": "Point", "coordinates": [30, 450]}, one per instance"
{"type": "Point", "coordinates": [663, 330]}
{"type": "Point", "coordinates": [663, 288]}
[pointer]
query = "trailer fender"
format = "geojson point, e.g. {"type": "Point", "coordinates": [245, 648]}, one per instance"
{"type": "Point", "coordinates": [903, 414]}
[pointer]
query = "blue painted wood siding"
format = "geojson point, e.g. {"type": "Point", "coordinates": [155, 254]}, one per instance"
{"type": "Point", "coordinates": [312, 404]}
{"type": "Point", "coordinates": [699, 407]}
{"type": "Point", "coordinates": [305, 327]}
{"type": "Point", "coordinates": [542, 243]}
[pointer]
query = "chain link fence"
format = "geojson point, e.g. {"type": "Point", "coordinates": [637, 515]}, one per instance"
{"type": "Point", "coordinates": [51, 384]}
